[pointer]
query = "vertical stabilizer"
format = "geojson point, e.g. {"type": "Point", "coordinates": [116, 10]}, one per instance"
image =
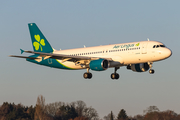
{"type": "Point", "coordinates": [39, 42]}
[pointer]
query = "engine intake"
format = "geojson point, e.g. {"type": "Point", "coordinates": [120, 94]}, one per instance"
{"type": "Point", "coordinates": [99, 65]}
{"type": "Point", "coordinates": [142, 67]}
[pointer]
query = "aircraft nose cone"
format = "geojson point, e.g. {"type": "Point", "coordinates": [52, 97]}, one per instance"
{"type": "Point", "coordinates": [168, 53]}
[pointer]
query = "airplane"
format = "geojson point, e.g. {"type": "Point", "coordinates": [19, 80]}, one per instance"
{"type": "Point", "coordinates": [136, 56]}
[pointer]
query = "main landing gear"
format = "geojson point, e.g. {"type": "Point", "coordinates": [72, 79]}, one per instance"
{"type": "Point", "coordinates": [87, 75]}
{"type": "Point", "coordinates": [151, 71]}
{"type": "Point", "coordinates": [115, 75]}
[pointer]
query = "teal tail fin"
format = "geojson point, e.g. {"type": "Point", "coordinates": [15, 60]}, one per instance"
{"type": "Point", "coordinates": [39, 42]}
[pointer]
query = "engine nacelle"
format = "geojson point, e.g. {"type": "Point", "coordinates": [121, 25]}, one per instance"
{"type": "Point", "coordinates": [142, 67]}
{"type": "Point", "coordinates": [99, 65]}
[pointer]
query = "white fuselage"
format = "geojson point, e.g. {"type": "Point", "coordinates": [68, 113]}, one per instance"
{"type": "Point", "coordinates": [121, 54]}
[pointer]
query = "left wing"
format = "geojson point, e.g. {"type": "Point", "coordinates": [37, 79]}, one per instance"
{"type": "Point", "coordinates": [62, 57]}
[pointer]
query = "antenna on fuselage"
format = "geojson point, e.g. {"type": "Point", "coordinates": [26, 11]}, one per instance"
{"type": "Point", "coordinates": [84, 46]}
{"type": "Point", "coordinates": [148, 39]}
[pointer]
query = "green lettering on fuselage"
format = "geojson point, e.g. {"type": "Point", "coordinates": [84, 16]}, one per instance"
{"type": "Point", "coordinates": [123, 46]}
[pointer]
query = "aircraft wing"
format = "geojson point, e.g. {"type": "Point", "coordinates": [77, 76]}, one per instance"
{"type": "Point", "coordinates": [62, 56]}
{"type": "Point", "coordinates": [23, 57]}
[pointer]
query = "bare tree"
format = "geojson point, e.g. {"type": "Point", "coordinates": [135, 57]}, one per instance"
{"type": "Point", "coordinates": [90, 113]}
{"type": "Point", "coordinates": [84, 111]}
{"type": "Point", "coordinates": [40, 109]}
{"type": "Point", "coordinates": [80, 106]}
{"type": "Point", "coordinates": [151, 109]}
{"type": "Point", "coordinates": [40, 105]}
{"type": "Point", "coordinates": [53, 108]}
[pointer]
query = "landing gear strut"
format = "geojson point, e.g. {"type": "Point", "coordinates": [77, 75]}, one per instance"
{"type": "Point", "coordinates": [115, 75]}
{"type": "Point", "coordinates": [151, 71]}
{"type": "Point", "coordinates": [87, 75]}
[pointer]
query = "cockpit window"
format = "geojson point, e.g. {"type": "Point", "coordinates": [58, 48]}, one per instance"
{"type": "Point", "coordinates": [162, 45]}
{"type": "Point", "coordinates": [156, 46]}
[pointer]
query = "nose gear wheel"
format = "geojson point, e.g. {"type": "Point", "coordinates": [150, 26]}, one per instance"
{"type": "Point", "coordinates": [151, 71]}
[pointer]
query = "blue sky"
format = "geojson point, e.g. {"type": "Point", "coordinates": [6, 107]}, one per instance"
{"type": "Point", "coordinates": [72, 24]}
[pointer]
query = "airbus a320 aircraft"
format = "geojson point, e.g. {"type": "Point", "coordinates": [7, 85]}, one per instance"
{"type": "Point", "coordinates": [137, 56]}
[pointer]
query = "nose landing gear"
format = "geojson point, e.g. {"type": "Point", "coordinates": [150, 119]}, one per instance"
{"type": "Point", "coordinates": [115, 75]}
{"type": "Point", "coordinates": [151, 71]}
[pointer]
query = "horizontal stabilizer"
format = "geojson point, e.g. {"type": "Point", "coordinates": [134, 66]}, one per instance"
{"type": "Point", "coordinates": [22, 57]}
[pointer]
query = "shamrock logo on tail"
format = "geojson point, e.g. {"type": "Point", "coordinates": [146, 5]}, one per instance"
{"type": "Point", "coordinates": [38, 43]}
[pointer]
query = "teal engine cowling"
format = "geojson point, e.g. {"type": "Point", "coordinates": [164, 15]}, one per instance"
{"type": "Point", "coordinates": [141, 67]}
{"type": "Point", "coordinates": [99, 65]}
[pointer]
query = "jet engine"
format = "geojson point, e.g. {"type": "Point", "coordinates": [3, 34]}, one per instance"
{"type": "Point", "coordinates": [99, 65]}
{"type": "Point", "coordinates": [142, 67]}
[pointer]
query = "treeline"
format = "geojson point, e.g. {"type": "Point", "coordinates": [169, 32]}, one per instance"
{"type": "Point", "coordinates": [10, 111]}
{"type": "Point", "coordinates": [53, 111]}
{"type": "Point", "coordinates": [151, 113]}
{"type": "Point", "coordinates": [74, 111]}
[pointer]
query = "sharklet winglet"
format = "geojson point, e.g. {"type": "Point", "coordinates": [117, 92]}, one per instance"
{"type": "Point", "coordinates": [22, 51]}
